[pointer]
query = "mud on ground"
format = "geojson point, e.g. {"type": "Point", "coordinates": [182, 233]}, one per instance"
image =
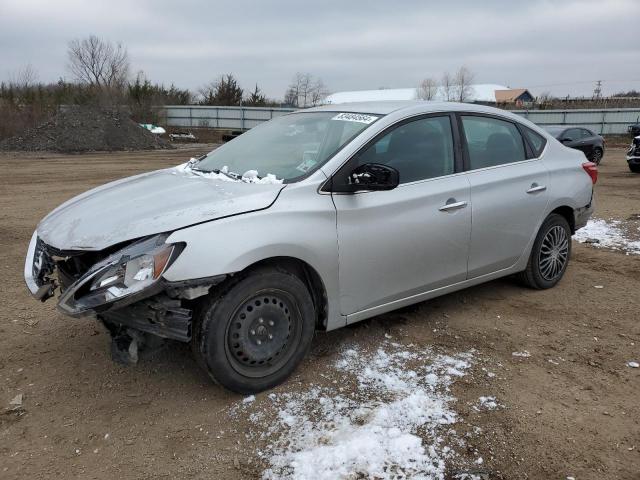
{"type": "Point", "coordinates": [570, 408]}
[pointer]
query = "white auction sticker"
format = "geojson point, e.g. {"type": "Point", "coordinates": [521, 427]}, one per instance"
{"type": "Point", "coordinates": [355, 117]}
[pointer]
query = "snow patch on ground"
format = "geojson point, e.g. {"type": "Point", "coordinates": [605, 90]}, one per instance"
{"type": "Point", "coordinates": [383, 416]}
{"type": "Point", "coordinates": [487, 403]}
{"type": "Point", "coordinates": [523, 354]}
{"type": "Point", "coordinates": [609, 234]}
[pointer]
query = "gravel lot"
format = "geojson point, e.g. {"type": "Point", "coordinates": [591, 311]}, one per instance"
{"type": "Point", "coordinates": [558, 396]}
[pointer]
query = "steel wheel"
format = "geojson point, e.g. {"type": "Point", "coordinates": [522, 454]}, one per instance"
{"type": "Point", "coordinates": [263, 333]}
{"type": "Point", "coordinates": [554, 253]}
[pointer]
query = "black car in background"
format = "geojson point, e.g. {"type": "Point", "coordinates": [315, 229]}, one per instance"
{"type": "Point", "coordinates": [633, 155]}
{"type": "Point", "coordinates": [580, 138]}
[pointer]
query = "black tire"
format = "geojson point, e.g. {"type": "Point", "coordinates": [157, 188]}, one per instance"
{"type": "Point", "coordinates": [539, 274]}
{"type": "Point", "coordinates": [596, 156]}
{"type": "Point", "coordinates": [253, 331]}
{"type": "Point", "coordinates": [634, 168]}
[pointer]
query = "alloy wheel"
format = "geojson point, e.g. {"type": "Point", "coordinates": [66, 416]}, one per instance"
{"type": "Point", "coordinates": [596, 157]}
{"type": "Point", "coordinates": [554, 253]}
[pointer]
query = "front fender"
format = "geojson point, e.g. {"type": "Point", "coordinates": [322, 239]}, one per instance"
{"type": "Point", "coordinates": [301, 224]}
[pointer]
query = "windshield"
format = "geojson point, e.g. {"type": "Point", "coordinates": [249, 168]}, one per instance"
{"type": "Point", "coordinates": [289, 147]}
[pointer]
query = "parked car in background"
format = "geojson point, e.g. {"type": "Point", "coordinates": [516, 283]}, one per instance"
{"type": "Point", "coordinates": [313, 220]}
{"type": "Point", "coordinates": [183, 137]}
{"type": "Point", "coordinates": [582, 139]}
{"type": "Point", "coordinates": [633, 155]}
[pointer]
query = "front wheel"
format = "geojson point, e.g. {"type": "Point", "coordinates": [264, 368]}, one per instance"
{"type": "Point", "coordinates": [252, 332]}
{"type": "Point", "coordinates": [596, 156]}
{"type": "Point", "coordinates": [549, 255]}
{"type": "Point", "coordinates": [634, 168]}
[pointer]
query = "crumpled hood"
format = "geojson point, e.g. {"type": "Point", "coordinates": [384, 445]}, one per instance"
{"type": "Point", "coordinates": [147, 204]}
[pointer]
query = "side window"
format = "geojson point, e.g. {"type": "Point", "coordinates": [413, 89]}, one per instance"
{"type": "Point", "coordinates": [492, 142]}
{"type": "Point", "coordinates": [586, 133]}
{"type": "Point", "coordinates": [572, 133]}
{"type": "Point", "coordinates": [419, 149]}
{"type": "Point", "coordinates": [536, 141]}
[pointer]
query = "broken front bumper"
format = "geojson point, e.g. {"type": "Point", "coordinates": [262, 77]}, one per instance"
{"type": "Point", "coordinates": [156, 307]}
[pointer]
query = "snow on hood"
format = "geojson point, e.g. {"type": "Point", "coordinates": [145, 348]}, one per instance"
{"type": "Point", "coordinates": [250, 176]}
{"type": "Point", "coordinates": [150, 203]}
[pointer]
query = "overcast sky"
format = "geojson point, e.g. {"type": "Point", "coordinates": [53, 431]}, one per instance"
{"type": "Point", "coordinates": [557, 46]}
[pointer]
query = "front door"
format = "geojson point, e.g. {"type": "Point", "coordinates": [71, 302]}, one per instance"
{"type": "Point", "coordinates": [398, 243]}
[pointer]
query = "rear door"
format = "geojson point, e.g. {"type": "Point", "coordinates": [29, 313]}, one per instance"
{"type": "Point", "coordinates": [402, 242]}
{"type": "Point", "coordinates": [508, 192]}
{"type": "Point", "coordinates": [589, 141]}
{"type": "Point", "coordinates": [575, 138]}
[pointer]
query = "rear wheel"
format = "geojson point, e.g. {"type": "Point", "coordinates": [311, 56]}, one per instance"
{"type": "Point", "coordinates": [634, 168]}
{"type": "Point", "coordinates": [252, 333]}
{"type": "Point", "coordinates": [596, 156]}
{"type": "Point", "coordinates": [550, 254]}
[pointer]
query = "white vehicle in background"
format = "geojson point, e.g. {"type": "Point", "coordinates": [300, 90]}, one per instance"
{"type": "Point", "coordinates": [155, 129]}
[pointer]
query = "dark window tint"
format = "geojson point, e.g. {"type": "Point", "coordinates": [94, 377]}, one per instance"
{"type": "Point", "coordinates": [587, 133]}
{"type": "Point", "coordinates": [492, 142]}
{"type": "Point", "coordinates": [573, 134]}
{"type": "Point", "coordinates": [536, 141]}
{"type": "Point", "coordinates": [419, 149]}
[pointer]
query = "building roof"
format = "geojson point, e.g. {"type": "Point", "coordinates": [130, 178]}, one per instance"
{"type": "Point", "coordinates": [481, 92]}
{"type": "Point", "coordinates": [510, 95]}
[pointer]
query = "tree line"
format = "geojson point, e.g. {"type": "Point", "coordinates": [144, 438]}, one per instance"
{"type": "Point", "coordinates": [100, 75]}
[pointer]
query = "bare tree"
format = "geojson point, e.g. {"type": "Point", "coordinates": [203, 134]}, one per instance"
{"type": "Point", "coordinates": [98, 63]}
{"type": "Point", "coordinates": [305, 91]}
{"type": "Point", "coordinates": [463, 91]}
{"type": "Point", "coordinates": [447, 84]}
{"type": "Point", "coordinates": [24, 78]}
{"type": "Point", "coordinates": [318, 92]}
{"type": "Point", "coordinates": [427, 89]}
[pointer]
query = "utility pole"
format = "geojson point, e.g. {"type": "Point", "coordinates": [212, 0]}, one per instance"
{"type": "Point", "coordinates": [597, 92]}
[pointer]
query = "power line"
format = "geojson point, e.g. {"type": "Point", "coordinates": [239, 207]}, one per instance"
{"type": "Point", "coordinates": [579, 82]}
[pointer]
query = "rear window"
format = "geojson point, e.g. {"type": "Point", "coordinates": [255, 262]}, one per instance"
{"type": "Point", "coordinates": [536, 141]}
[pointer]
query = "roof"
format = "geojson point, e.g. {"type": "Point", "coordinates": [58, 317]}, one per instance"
{"type": "Point", "coordinates": [481, 92]}
{"type": "Point", "coordinates": [510, 95]}
{"type": "Point", "coordinates": [414, 106]}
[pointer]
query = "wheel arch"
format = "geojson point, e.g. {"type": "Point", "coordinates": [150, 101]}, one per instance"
{"type": "Point", "coordinates": [307, 274]}
{"type": "Point", "coordinates": [569, 215]}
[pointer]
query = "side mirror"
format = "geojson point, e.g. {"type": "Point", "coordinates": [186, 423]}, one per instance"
{"type": "Point", "coordinates": [373, 177]}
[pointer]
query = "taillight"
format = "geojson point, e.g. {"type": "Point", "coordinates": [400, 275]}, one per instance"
{"type": "Point", "coordinates": [592, 170]}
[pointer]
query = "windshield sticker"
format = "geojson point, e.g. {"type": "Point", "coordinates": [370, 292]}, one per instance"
{"type": "Point", "coordinates": [355, 117]}
{"type": "Point", "coordinates": [308, 161]}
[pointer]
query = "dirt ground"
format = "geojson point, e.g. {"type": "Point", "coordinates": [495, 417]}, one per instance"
{"type": "Point", "coordinates": [571, 408]}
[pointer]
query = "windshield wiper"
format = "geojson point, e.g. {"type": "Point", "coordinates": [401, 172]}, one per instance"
{"type": "Point", "coordinates": [217, 171]}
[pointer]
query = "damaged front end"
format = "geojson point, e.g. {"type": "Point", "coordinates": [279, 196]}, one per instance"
{"type": "Point", "coordinates": [122, 286]}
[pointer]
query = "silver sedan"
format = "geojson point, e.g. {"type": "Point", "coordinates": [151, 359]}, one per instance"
{"type": "Point", "coordinates": [313, 220]}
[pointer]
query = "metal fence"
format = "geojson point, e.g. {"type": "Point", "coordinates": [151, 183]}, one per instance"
{"type": "Point", "coordinates": [231, 118]}
{"type": "Point", "coordinates": [607, 121]}
{"type": "Point", "coordinates": [602, 121]}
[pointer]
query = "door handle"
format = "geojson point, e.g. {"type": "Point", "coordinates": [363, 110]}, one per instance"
{"type": "Point", "coordinates": [452, 205]}
{"type": "Point", "coordinates": [536, 188]}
